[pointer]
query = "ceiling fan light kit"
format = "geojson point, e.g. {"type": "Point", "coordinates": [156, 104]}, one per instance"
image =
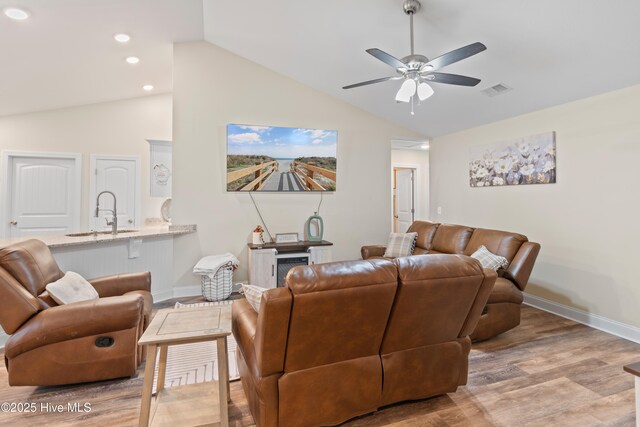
{"type": "Point", "coordinates": [416, 69]}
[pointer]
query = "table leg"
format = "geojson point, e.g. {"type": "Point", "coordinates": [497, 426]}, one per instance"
{"type": "Point", "coordinates": [149, 371]}
{"type": "Point", "coordinates": [162, 368]}
{"type": "Point", "coordinates": [223, 381]}
{"type": "Point", "coordinates": [226, 357]}
{"type": "Point", "coordinates": [637, 381]}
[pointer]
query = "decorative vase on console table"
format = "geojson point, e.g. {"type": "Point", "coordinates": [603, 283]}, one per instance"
{"type": "Point", "coordinates": [315, 228]}
{"type": "Point", "coordinates": [258, 236]}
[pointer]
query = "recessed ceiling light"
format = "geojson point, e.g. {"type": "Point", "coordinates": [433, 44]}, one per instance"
{"type": "Point", "coordinates": [147, 87]}
{"type": "Point", "coordinates": [133, 59]}
{"type": "Point", "coordinates": [425, 146]}
{"type": "Point", "coordinates": [122, 37]}
{"type": "Point", "coordinates": [17, 14]}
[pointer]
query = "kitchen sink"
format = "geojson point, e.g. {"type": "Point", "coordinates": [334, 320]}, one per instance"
{"type": "Point", "coordinates": [91, 233]}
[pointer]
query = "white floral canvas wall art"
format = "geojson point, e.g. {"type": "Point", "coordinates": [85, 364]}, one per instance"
{"type": "Point", "coordinates": [528, 160]}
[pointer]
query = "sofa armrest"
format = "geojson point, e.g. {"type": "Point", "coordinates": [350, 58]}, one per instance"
{"type": "Point", "coordinates": [120, 284]}
{"type": "Point", "coordinates": [479, 303]}
{"type": "Point", "coordinates": [272, 330]}
{"type": "Point", "coordinates": [522, 264]}
{"type": "Point", "coordinates": [262, 337]}
{"type": "Point", "coordinates": [372, 250]}
{"type": "Point", "coordinates": [77, 320]}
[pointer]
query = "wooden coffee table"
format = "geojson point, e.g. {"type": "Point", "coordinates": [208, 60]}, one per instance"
{"type": "Point", "coordinates": [189, 404]}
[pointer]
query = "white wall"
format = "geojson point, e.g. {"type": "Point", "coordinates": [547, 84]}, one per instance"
{"type": "Point", "coordinates": [213, 87]}
{"type": "Point", "coordinates": [588, 223]}
{"type": "Point", "coordinates": [119, 127]}
{"type": "Point", "coordinates": [420, 161]}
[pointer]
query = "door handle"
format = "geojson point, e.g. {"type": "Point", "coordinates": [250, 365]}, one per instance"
{"type": "Point", "coordinates": [272, 270]}
{"type": "Point", "coordinates": [14, 223]}
{"type": "Point", "coordinates": [130, 221]}
{"type": "Point", "coordinates": [395, 216]}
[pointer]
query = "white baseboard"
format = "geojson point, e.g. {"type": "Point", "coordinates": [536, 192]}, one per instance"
{"type": "Point", "coordinates": [613, 327]}
{"type": "Point", "coordinates": [187, 291]}
{"type": "Point", "coordinates": [164, 295]}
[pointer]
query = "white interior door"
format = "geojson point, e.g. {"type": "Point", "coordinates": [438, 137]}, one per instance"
{"type": "Point", "coordinates": [404, 199]}
{"type": "Point", "coordinates": [42, 194]}
{"type": "Point", "coordinates": [120, 176]}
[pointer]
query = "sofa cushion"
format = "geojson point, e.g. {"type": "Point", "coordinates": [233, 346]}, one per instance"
{"type": "Point", "coordinates": [489, 260]}
{"type": "Point", "coordinates": [32, 264]}
{"type": "Point", "coordinates": [505, 291]}
{"type": "Point", "coordinates": [498, 242]}
{"type": "Point", "coordinates": [18, 304]}
{"type": "Point", "coordinates": [451, 239]}
{"type": "Point", "coordinates": [426, 231]}
{"type": "Point", "coordinates": [71, 288]}
{"type": "Point", "coordinates": [420, 251]}
{"type": "Point", "coordinates": [400, 244]}
{"type": "Point", "coordinates": [340, 275]}
{"type": "Point", "coordinates": [432, 288]}
{"type": "Point", "coordinates": [343, 305]}
{"type": "Point", "coordinates": [253, 294]}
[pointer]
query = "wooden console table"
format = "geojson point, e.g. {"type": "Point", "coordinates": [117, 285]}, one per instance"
{"type": "Point", "coordinates": [186, 405]}
{"type": "Point", "coordinates": [263, 258]}
{"type": "Point", "coordinates": [634, 369]}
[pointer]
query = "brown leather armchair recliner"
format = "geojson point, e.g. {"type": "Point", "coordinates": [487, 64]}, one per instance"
{"type": "Point", "coordinates": [502, 311]}
{"type": "Point", "coordinates": [345, 338]}
{"type": "Point", "coordinates": [73, 343]}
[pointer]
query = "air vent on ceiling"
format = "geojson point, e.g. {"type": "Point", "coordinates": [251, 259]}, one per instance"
{"type": "Point", "coordinates": [496, 90]}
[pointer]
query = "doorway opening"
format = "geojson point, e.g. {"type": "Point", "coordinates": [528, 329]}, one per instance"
{"type": "Point", "coordinates": [404, 188]}
{"type": "Point", "coordinates": [409, 172]}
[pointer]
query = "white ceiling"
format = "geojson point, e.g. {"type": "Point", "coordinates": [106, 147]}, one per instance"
{"type": "Point", "coordinates": [548, 51]}
{"type": "Point", "coordinates": [405, 144]}
{"type": "Point", "coordinates": [65, 54]}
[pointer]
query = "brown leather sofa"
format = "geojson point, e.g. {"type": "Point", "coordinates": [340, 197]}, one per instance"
{"type": "Point", "coordinates": [502, 311]}
{"type": "Point", "coordinates": [343, 339]}
{"type": "Point", "coordinates": [73, 343]}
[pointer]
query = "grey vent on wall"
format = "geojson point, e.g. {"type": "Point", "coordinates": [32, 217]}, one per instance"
{"type": "Point", "coordinates": [496, 90]}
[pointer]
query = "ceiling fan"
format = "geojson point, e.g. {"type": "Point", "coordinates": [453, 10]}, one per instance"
{"type": "Point", "coordinates": [417, 70]}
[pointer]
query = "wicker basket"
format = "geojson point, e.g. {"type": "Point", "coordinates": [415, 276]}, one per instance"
{"type": "Point", "coordinates": [219, 288]}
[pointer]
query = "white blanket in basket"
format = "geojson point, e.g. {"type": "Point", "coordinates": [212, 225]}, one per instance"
{"type": "Point", "coordinates": [208, 265]}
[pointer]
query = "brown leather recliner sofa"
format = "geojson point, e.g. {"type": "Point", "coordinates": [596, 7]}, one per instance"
{"type": "Point", "coordinates": [343, 339]}
{"type": "Point", "coordinates": [73, 343]}
{"type": "Point", "coordinates": [502, 311]}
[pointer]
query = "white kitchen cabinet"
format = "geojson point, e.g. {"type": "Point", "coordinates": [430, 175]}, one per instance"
{"type": "Point", "coordinates": [319, 254]}
{"type": "Point", "coordinates": [264, 260]}
{"type": "Point", "coordinates": [262, 267]}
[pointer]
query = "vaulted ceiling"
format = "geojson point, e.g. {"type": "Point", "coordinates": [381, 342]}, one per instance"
{"type": "Point", "coordinates": [550, 52]}
{"type": "Point", "coordinates": [65, 54]}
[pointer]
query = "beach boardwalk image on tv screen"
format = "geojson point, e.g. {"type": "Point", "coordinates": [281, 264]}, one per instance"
{"type": "Point", "coordinates": [269, 158]}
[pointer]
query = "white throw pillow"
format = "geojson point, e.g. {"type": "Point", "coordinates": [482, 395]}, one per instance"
{"type": "Point", "coordinates": [72, 287]}
{"type": "Point", "coordinates": [488, 259]}
{"type": "Point", "coordinates": [400, 244]}
{"type": "Point", "coordinates": [253, 294]}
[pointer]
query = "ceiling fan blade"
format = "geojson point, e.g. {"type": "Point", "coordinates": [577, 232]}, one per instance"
{"type": "Point", "coordinates": [451, 79]}
{"type": "Point", "coordinates": [369, 82]}
{"type": "Point", "coordinates": [454, 56]}
{"type": "Point", "coordinates": [387, 59]}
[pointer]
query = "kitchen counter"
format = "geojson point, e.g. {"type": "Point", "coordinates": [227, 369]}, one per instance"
{"type": "Point", "coordinates": [58, 240]}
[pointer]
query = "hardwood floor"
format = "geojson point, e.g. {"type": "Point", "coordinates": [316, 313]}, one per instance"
{"type": "Point", "coordinates": [547, 371]}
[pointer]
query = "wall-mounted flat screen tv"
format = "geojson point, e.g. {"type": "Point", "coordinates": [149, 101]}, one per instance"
{"type": "Point", "coordinates": [274, 159]}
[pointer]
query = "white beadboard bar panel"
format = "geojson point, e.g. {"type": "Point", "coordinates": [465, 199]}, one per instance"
{"type": "Point", "coordinates": [106, 258]}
